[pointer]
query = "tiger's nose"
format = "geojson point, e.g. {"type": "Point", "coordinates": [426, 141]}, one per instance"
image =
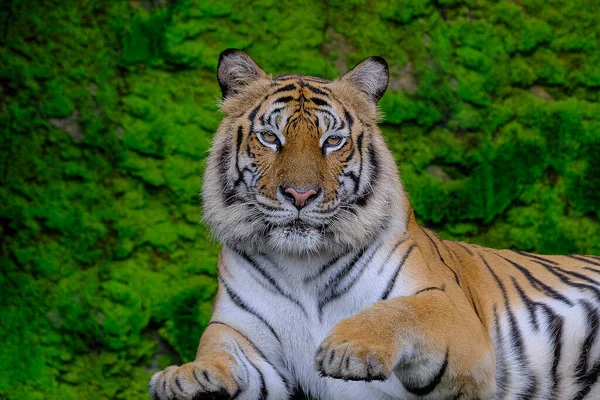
{"type": "Point", "coordinates": [299, 196]}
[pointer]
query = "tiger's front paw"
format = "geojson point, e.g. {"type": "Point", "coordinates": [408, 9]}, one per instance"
{"type": "Point", "coordinates": [217, 378]}
{"type": "Point", "coordinates": [351, 352]}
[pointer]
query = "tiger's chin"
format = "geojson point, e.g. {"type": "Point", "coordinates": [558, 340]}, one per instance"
{"type": "Point", "coordinates": [296, 238]}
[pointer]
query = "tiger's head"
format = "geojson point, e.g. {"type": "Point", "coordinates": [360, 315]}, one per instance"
{"type": "Point", "coordinates": [298, 164]}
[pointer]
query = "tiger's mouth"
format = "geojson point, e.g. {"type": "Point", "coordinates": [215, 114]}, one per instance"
{"type": "Point", "coordinates": [297, 236]}
{"type": "Point", "coordinates": [298, 227]}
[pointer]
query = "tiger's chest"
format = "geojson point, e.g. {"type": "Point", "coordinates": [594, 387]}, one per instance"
{"type": "Point", "coordinates": [301, 311]}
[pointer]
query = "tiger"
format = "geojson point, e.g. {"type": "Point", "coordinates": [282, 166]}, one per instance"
{"type": "Point", "coordinates": [329, 287]}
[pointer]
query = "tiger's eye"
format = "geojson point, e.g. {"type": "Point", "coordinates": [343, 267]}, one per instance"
{"type": "Point", "coordinates": [270, 137]}
{"type": "Point", "coordinates": [333, 140]}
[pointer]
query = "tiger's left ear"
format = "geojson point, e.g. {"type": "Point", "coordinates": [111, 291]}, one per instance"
{"type": "Point", "coordinates": [371, 76]}
{"type": "Point", "coordinates": [236, 69]}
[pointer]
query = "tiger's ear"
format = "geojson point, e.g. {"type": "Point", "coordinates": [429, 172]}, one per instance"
{"type": "Point", "coordinates": [371, 76]}
{"type": "Point", "coordinates": [236, 69]}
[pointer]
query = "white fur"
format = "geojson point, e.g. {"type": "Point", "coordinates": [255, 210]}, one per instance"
{"type": "Point", "coordinates": [300, 332]}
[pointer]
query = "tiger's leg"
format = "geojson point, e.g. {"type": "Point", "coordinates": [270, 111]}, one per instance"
{"type": "Point", "coordinates": [227, 366]}
{"type": "Point", "coordinates": [434, 349]}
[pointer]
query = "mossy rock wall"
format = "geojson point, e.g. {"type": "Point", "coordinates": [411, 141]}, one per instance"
{"type": "Point", "coordinates": [107, 109]}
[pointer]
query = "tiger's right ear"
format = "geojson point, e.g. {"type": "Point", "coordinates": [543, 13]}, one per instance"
{"type": "Point", "coordinates": [236, 69]}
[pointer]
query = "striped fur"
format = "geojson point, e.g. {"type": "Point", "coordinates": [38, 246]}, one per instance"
{"type": "Point", "coordinates": [348, 297]}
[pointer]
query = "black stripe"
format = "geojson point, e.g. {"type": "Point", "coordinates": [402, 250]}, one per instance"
{"type": "Point", "coordinates": [362, 200]}
{"type": "Point", "coordinates": [198, 380]}
{"type": "Point", "coordinates": [530, 305]}
{"type": "Point", "coordinates": [392, 282]}
{"type": "Point", "coordinates": [588, 342]}
{"type": "Point", "coordinates": [464, 246]}
{"type": "Point", "coordinates": [473, 303]}
{"type": "Point", "coordinates": [347, 268]}
{"type": "Point", "coordinates": [253, 113]}
{"type": "Point", "coordinates": [391, 253]}
{"type": "Point", "coordinates": [237, 300]}
{"type": "Point", "coordinates": [293, 122]}
{"type": "Point", "coordinates": [442, 289]}
{"type": "Point", "coordinates": [333, 119]}
{"type": "Point", "coordinates": [430, 387]}
{"type": "Point", "coordinates": [285, 88]}
{"type": "Point", "coordinates": [503, 377]}
{"type": "Point", "coordinates": [536, 283]}
{"type": "Point", "coordinates": [324, 268]}
{"type": "Point", "coordinates": [319, 102]}
{"type": "Point", "coordinates": [285, 99]}
{"type": "Point", "coordinates": [374, 160]}
{"type": "Point", "coordinates": [441, 257]}
{"type": "Point", "coordinates": [315, 90]}
{"type": "Point", "coordinates": [229, 194]}
{"type": "Point", "coordinates": [350, 156]}
{"type": "Point", "coordinates": [592, 269]}
{"type": "Point", "coordinates": [453, 255]}
{"type": "Point", "coordinates": [249, 153]}
{"type": "Point", "coordinates": [178, 384]}
{"type": "Point", "coordinates": [589, 381]}
{"type": "Point", "coordinates": [555, 327]}
{"type": "Point", "coordinates": [256, 349]}
{"type": "Point", "coordinates": [584, 260]}
{"type": "Point", "coordinates": [238, 146]}
{"type": "Point", "coordinates": [240, 178]}
{"type": "Point", "coordinates": [359, 145]}
{"type": "Point", "coordinates": [224, 163]}
{"type": "Point", "coordinates": [349, 119]}
{"type": "Point", "coordinates": [535, 256]}
{"type": "Point", "coordinates": [259, 268]}
{"type": "Point", "coordinates": [273, 112]}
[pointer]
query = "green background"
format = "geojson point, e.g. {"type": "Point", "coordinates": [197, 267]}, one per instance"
{"type": "Point", "coordinates": [108, 109]}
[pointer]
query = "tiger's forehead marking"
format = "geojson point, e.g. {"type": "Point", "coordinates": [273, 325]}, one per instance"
{"type": "Point", "coordinates": [305, 85]}
{"type": "Point", "coordinates": [293, 94]}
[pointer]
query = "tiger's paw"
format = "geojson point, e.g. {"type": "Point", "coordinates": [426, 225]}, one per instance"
{"type": "Point", "coordinates": [216, 378]}
{"type": "Point", "coordinates": [351, 354]}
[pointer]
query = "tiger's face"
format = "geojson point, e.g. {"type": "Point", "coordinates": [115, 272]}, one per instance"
{"type": "Point", "coordinates": [295, 161]}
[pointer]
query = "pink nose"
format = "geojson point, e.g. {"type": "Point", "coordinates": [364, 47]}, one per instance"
{"type": "Point", "coordinates": [300, 198]}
